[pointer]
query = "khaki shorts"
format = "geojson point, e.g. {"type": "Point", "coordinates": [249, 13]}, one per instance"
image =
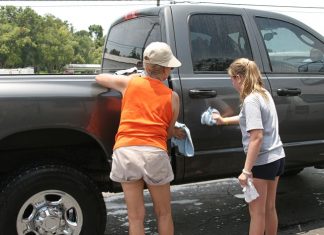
{"type": "Point", "coordinates": [141, 162]}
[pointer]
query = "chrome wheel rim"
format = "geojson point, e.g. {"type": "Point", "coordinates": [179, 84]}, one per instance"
{"type": "Point", "coordinates": [50, 212]}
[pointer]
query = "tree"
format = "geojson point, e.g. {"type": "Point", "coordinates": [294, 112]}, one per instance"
{"type": "Point", "coordinates": [56, 44]}
{"type": "Point", "coordinates": [114, 52]}
{"type": "Point", "coordinates": [30, 23]}
{"type": "Point", "coordinates": [14, 37]}
{"type": "Point", "coordinates": [134, 54]}
{"type": "Point", "coordinates": [83, 47]}
{"type": "Point", "coordinates": [45, 42]}
{"type": "Point", "coordinates": [96, 31]}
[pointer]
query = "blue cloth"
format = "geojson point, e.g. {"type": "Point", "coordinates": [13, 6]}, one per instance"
{"type": "Point", "coordinates": [207, 117]}
{"type": "Point", "coordinates": [185, 146]}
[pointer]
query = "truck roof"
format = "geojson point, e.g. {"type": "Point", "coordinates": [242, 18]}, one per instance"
{"type": "Point", "coordinates": [197, 7]}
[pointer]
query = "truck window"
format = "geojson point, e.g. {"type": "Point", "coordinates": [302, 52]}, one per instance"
{"type": "Point", "coordinates": [290, 48]}
{"type": "Point", "coordinates": [126, 42]}
{"type": "Point", "coordinates": [216, 40]}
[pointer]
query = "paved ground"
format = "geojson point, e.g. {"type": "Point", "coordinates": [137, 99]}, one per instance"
{"type": "Point", "coordinates": [216, 207]}
{"type": "Point", "coordinates": [308, 229]}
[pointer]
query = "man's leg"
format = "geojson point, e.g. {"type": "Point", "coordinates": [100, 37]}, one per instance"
{"type": "Point", "coordinates": [133, 193]}
{"type": "Point", "coordinates": [161, 197]}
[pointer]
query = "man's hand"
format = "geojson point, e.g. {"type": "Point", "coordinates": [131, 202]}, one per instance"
{"type": "Point", "coordinates": [179, 133]}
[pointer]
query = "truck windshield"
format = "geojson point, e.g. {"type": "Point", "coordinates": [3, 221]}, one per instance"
{"type": "Point", "coordinates": [126, 42]}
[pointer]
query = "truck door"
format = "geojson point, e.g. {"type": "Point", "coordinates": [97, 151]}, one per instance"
{"type": "Point", "coordinates": [215, 40]}
{"type": "Point", "coordinates": [295, 69]}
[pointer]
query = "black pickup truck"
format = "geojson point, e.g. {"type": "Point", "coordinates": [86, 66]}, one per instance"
{"type": "Point", "coordinates": [57, 132]}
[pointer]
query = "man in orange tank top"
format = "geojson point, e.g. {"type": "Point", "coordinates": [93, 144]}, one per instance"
{"type": "Point", "coordinates": [149, 112]}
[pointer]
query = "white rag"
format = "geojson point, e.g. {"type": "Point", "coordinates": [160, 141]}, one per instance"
{"type": "Point", "coordinates": [128, 71]}
{"type": "Point", "coordinates": [250, 192]}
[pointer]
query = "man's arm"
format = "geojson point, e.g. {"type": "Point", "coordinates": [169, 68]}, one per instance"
{"type": "Point", "coordinates": [175, 113]}
{"type": "Point", "coordinates": [117, 82]}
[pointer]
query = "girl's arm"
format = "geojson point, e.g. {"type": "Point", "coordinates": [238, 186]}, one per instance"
{"type": "Point", "coordinates": [256, 138]}
{"type": "Point", "coordinates": [234, 120]}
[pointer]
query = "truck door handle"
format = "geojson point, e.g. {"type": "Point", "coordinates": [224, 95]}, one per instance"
{"type": "Point", "coordinates": [288, 91]}
{"type": "Point", "coordinates": [201, 93]}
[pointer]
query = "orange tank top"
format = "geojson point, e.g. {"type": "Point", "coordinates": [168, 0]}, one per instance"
{"type": "Point", "coordinates": [146, 114]}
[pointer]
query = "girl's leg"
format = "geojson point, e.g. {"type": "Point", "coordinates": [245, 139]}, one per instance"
{"type": "Point", "coordinates": [271, 212]}
{"type": "Point", "coordinates": [133, 193]}
{"type": "Point", "coordinates": [257, 208]}
{"type": "Point", "coordinates": [161, 197]}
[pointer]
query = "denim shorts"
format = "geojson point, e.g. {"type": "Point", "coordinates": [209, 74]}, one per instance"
{"type": "Point", "coordinates": [269, 171]}
{"type": "Point", "coordinates": [149, 163]}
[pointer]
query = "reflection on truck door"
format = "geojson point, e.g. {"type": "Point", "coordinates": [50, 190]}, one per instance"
{"type": "Point", "coordinates": [296, 75]}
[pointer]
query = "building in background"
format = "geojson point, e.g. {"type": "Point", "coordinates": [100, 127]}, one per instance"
{"type": "Point", "coordinates": [82, 69]}
{"type": "Point", "coordinates": [27, 70]}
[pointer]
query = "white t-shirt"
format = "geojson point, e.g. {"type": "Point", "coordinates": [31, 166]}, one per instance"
{"type": "Point", "coordinates": [259, 113]}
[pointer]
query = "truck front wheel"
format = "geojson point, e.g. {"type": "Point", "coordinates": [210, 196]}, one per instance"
{"type": "Point", "coordinates": [51, 199]}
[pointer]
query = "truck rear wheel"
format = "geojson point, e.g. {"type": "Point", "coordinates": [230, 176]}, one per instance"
{"type": "Point", "coordinates": [51, 199]}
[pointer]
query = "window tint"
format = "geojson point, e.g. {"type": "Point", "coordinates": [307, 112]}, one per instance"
{"type": "Point", "coordinates": [290, 48]}
{"type": "Point", "coordinates": [216, 40]}
{"type": "Point", "coordinates": [127, 40]}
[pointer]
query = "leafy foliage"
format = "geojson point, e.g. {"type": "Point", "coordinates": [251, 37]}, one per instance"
{"type": "Point", "coordinates": [45, 42]}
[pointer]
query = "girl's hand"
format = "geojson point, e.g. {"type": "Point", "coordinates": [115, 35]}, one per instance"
{"type": "Point", "coordinates": [219, 119]}
{"type": "Point", "coordinates": [243, 179]}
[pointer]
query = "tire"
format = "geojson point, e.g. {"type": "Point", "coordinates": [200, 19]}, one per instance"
{"type": "Point", "coordinates": [51, 199]}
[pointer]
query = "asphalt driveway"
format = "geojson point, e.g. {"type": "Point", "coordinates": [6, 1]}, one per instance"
{"type": "Point", "coordinates": [217, 207]}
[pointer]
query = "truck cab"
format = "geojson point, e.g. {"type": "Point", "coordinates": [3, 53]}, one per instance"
{"type": "Point", "coordinates": [206, 39]}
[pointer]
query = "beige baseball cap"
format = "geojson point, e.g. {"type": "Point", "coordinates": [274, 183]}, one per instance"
{"type": "Point", "coordinates": [160, 53]}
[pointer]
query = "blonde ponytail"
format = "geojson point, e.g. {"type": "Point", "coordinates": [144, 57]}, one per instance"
{"type": "Point", "coordinates": [250, 72]}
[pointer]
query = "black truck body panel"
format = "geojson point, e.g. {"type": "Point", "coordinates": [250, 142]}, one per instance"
{"type": "Point", "coordinates": [63, 122]}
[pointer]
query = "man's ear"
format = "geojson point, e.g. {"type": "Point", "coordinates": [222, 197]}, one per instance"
{"type": "Point", "coordinates": [165, 70]}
